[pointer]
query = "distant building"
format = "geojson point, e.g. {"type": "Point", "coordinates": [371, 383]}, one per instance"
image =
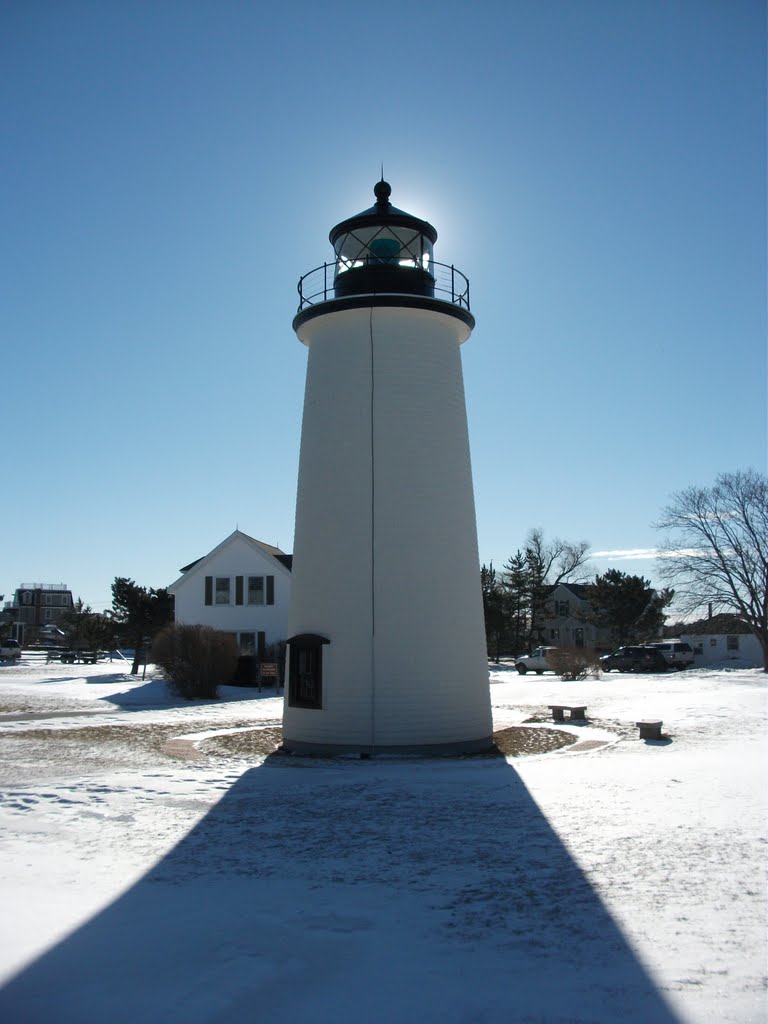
{"type": "Point", "coordinates": [36, 605]}
{"type": "Point", "coordinates": [565, 622]}
{"type": "Point", "coordinates": [721, 639]}
{"type": "Point", "coordinates": [241, 587]}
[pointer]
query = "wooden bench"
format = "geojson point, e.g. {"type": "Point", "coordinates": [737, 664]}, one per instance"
{"type": "Point", "coordinates": [578, 711]}
{"type": "Point", "coordinates": [650, 728]}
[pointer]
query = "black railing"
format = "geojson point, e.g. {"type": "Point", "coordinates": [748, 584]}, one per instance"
{"type": "Point", "coordinates": [319, 284]}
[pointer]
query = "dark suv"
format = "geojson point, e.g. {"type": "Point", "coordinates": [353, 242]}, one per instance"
{"type": "Point", "coordinates": [634, 659]}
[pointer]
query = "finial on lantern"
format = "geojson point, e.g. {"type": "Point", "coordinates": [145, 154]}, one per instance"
{"type": "Point", "coordinates": [382, 190]}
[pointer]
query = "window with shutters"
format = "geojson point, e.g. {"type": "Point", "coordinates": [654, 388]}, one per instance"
{"type": "Point", "coordinates": [252, 590]}
{"type": "Point", "coordinates": [256, 590]}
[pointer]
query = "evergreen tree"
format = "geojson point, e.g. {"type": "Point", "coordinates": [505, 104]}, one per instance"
{"type": "Point", "coordinates": [516, 583]}
{"type": "Point", "coordinates": [85, 629]}
{"type": "Point", "coordinates": [626, 608]}
{"type": "Point", "coordinates": [493, 611]}
{"type": "Point", "coordinates": [140, 614]}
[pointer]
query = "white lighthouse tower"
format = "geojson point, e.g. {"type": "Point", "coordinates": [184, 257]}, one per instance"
{"type": "Point", "coordinates": [387, 644]}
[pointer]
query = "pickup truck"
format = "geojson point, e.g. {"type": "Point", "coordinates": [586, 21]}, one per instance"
{"type": "Point", "coordinates": [536, 662]}
{"type": "Point", "coordinates": [10, 650]}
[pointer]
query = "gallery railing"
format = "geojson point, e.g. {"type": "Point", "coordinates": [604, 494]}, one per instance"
{"type": "Point", "coordinates": [450, 285]}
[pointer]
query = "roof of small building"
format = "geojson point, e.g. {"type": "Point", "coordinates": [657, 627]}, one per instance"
{"type": "Point", "coordinates": [283, 559]}
{"type": "Point", "coordinates": [577, 589]}
{"type": "Point", "coordinates": [281, 556]}
{"type": "Point", "coordinates": [726, 623]}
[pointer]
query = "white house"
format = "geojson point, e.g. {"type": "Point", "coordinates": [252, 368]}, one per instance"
{"type": "Point", "coordinates": [721, 640]}
{"type": "Point", "coordinates": [565, 624]}
{"type": "Point", "coordinates": [242, 587]}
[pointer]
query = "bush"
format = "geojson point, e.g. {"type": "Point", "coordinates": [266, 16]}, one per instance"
{"type": "Point", "coordinates": [196, 659]}
{"type": "Point", "coordinates": [574, 662]}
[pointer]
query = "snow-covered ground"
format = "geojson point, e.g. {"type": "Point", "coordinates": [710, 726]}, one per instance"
{"type": "Point", "coordinates": [148, 878]}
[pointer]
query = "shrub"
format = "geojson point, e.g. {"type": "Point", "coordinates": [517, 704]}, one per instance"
{"type": "Point", "coordinates": [196, 659]}
{"type": "Point", "coordinates": [574, 662]}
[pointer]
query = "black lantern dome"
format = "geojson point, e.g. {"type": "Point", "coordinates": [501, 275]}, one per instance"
{"type": "Point", "coordinates": [383, 256]}
{"type": "Point", "coordinates": [383, 250]}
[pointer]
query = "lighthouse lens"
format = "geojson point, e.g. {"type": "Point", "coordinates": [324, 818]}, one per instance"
{"type": "Point", "coordinates": [385, 249]}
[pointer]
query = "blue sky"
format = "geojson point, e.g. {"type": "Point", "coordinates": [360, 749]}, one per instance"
{"type": "Point", "coordinates": [170, 169]}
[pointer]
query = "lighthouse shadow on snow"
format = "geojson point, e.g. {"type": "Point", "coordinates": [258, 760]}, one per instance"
{"type": "Point", "coordinates": [340, 890]}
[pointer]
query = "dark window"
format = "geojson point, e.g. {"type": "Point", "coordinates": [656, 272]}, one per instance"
{"type": "Point", "coordinates": [238, 589]}
{"type": "Point", "coordinates": [255, 590]}
{"type": "Point", "coordinates": [270, 589]}
{"type": "Point", "coordinates": [247, 643]}
{"type": "Point", "coordinates": [562, 609]}
{"type": "Point", "coordinates": [305, 673]}
{"type": "Point", "coordinates": [732, 643]}
{"type": "Point", "coordinates": [209, 589]}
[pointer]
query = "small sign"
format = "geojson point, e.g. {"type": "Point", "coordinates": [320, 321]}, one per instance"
{"type": "Point", "coordinates": [269, 668]}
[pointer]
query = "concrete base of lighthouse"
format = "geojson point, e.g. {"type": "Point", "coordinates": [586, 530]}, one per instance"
{"type": "Point", "coordinates": [385, 569]}
{"type": "Point", "coordinates": [423, 750]}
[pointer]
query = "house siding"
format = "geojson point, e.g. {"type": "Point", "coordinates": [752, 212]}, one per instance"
{"type": "Point", "coordinates": [712, 649]}
{"type": "Point", "coordinates": [236, 560]}
{"type": "Point", "coordinates": [561, 630]}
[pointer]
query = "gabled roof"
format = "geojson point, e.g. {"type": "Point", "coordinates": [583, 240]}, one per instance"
{"type": "Point", "coordinates": [282, 560]}
{"type": "Point", "coordinates": [726, 623]}
{"type": "Point", "coordinates": [577, 589]}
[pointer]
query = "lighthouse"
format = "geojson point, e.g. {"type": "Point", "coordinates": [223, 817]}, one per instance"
{"type": "Point", "coordinates": [386, 648]}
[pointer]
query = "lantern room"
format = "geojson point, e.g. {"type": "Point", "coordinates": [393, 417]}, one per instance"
{"type": "Point", "coordinates": [383, 249]}
{"type": "Point", "coordinates": [383, 257]}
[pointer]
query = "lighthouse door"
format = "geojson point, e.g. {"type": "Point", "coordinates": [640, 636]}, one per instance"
{"type": "Point", "coordinates": [305, 671]}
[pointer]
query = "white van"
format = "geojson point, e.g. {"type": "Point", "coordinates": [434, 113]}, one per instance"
{"type": "Point", "coordinates": [677, 653]}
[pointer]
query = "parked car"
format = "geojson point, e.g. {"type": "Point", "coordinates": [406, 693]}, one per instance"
{"type": "Point", "coordinates": [634, 659]}
{"type": "Point", "coordinates": [677, 653]}
{"type": "Point", "coordinates": [10, 650]}
{"type": "Point", "coordinates": [536, 662]}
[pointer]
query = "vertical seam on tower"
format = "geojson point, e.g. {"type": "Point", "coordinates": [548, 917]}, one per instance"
{"type": "Point", "coordinates": [373, 551]}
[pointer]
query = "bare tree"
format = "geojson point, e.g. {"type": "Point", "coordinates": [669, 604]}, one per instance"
{"type": "Point", "coordinates": [717, 548]}
{"type": "Point", "coordinates": [558, 561]}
